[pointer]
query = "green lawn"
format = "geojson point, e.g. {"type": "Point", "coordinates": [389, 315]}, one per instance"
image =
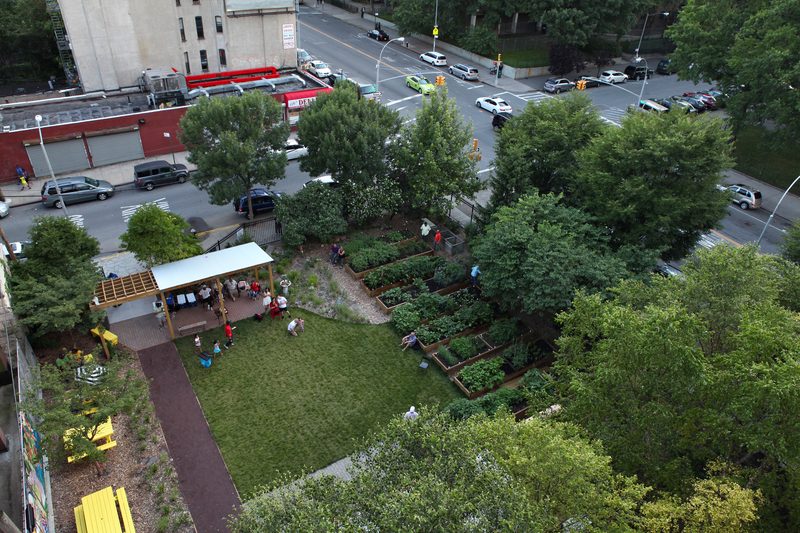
{"type": "Point", "coordinates": [280, 403]}
{"type": "Point", "coordinates": [765, 159]}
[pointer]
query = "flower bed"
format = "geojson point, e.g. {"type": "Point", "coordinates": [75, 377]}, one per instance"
{"type": "Point", "coordinates": [463, 351]}
{"type": "Point", "coordinates": [488, 374]}
{"type": "Point", "coordinates": [446, 277]}
{"type": "Point", "coordinates": [380, 253]}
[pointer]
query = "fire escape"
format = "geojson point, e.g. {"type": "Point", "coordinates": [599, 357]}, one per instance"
{"type": "Point", "coordinates": [62, 41]}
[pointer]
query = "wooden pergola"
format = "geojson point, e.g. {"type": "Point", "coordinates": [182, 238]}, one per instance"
{"type": "Point", "coordinates": [116, 291]}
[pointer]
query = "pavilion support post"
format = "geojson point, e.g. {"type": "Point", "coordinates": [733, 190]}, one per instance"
{"type": "Point", "coordinates": [271, 282]}
{"type": "Point", "coordinates": [167, 313]}
{"type": "Point", "coordinates": [255, 271]}
{"type": "Point", "coordinates": [221, 301]}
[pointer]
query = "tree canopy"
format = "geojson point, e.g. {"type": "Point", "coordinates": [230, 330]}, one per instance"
{"type": "Point", "coordinates": [537, 253]}
{"type": "Point", "coordinates": [791, 243]}
{"type": "Point", "coordinates": [236, 143]}
{"type": "Point", "coordinates": [317, 210]}
{"type": "Point", "coordinates": [27, 43]}
{"type": "Point", "coordinates": [653, 181]}
{"type": "Point", "coordinates": [430, 156]}
{"type": "Point", "coordinates": [538, 149]}
{"type": "Point", "coordinates": [751, 49]}
{"type": "Point", "coordinates": [156, 237]}
{"type": "Point", "coordinates": [346, 136]}
{"type": "Point", "coordinates": [677, 373]}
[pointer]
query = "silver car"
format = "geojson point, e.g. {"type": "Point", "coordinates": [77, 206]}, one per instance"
{"type": "Point", "coordinates": [557, 85]}
{"type": "Point", "coordinates": [465, 72]}
{"type": "Point", "coordinates": [75, 189]}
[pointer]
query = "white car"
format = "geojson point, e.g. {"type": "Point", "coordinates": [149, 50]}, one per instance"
{"type": "Point", "coordinates": [325, 180]}
{"type": "Point", "coordinates": [17, 247]}
{"type": "Point", "coordinates": [319, 68]}
{"type": "Point", "coordinates": [294, 150]}
{"type": "Point", "coordinates": [495, 105]}
{"type": "Point", "coordinates": [3, 210]}
{"type": "Point", "coordinates": [613, 76]}
{"type": "Point", "coordinates": [434, 58]}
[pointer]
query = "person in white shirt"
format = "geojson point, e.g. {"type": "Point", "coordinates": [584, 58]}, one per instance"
{"type": "Point", "coordinates": [205, 296]}
{"type": "Point", "coordinates": [295, 325]}
{"type": "Point", "coordinates": [267, 301]}
{"type": "Point", "coordinates": [412, 414]}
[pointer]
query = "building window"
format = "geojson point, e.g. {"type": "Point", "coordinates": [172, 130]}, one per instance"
{"type": "Point", "coordinates": [223, 61]}
{"type": "Point", "coordinates": [204, 60]}
{"type": "Point", "coordinates": [218, 20]}
{"type": "Point", "coordinates": [186, 63]}
{"type": "Point", "coordinates": [183, 31]}
{"type": "Point", "coordinates": [177, 3]}
{"type": "Point", "coordinates": [196, 2]}
{"type": "Point", "coordinates": [198, 21]}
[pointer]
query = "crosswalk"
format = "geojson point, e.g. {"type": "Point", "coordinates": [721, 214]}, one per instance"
{"type": "Point", "coordinates": [77, 220]}
{"type": "Point", "coordinates": [535, 97]}
{"type": "Point", "coordinates": [612, 115]}
{"type": "Point", "coordinates": [129, 210]}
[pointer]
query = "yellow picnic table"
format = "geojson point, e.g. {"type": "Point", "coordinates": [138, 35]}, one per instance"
{"type": "Point", "coordinates": [102, 438]}
{"type": "Point", "coordinates": [107, 335]}
{"type": "Point", "coordinates": [98, 513]}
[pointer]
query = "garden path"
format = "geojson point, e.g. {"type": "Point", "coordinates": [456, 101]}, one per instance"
{"type": "Point", "coordinates": [204, 479]}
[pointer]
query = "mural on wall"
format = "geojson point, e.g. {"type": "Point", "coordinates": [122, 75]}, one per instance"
{"type": "Point", "coordinates": [36, 510]}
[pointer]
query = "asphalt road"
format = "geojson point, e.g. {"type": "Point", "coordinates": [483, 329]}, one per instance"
{"type": "Point", "coordinates": [346, 47]}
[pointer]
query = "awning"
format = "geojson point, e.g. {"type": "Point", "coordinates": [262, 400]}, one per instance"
{"type": "Point", "coordinates": [125, 289]}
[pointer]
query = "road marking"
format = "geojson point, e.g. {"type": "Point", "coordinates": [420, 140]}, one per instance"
{"type": "Point", "coordinates": [409, 121]}
{"type": "Point", "coordinates": [77, 220]}
{"type": "Point", "coordinates": [533, 97]}
{"type": "Point", "coordinates": [393, 102]}
{"type": "Point", "coordinates": [743, 212]}
{"type": "Point", "coordinates": [401, 108]}
{"type": "Point", "coordinates": [501, 94]}
{"type": "Point", "coordinates": [485, 170]}
{"type": "Point", "coordinates": [129, 210]}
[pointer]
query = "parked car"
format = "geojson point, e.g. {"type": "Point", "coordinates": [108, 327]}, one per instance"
{"type": "Point", "coordinates": [17, 247]}
{"type": "Point", "coordinates": [653, 106]}
{"type": "Point", "coordinates": [500, 119]}
{"type": "Point", "coordinates": [378, 35]}
{"type": "Point", "coordinates": [434, 58]}
{"type": "Point", "coordinates": [665, 67]}
{"type": "Point", "coordinates": [638, 72]}
{"type": "Point", "coordinates": [558, 85]}
{"type": "Point", "coordinates": [745, 196]}
{"type": "Point", "coordinates": [303, 57]}
{"type": "Point", "coordinates": [495, 105]}
{"type": "Point", "coordinates": [697, 103]}
{"type": "Point", "coordinates": [666, 102]}
{"type": "Point", "coordinates": [319, 68]}
{"type": "Point", "coordinates": [613, 76]}
{"type": "Point", "coordinates": [709, 101]}
{"type": "Point", "coordinates": [4, 210]}
{"type": "Point", "coordinates": [681, 104]}
{"type": "Point", "coordinates": [75, 189]}
{"type": "Point", "coordinates": [591, 81]}
{"type": "Point", "coordinates": [421, 84]}
{"type": "Point", "coordinates": [465, 72]}
{"type": "Point", "coordinates": [263, 201]}
{"type": "Point", "coordinates": [325, 180]}
{"type": "Point", "coordinates": [154, 173]}
{"type": "Point", "coordinates": [294, 150]}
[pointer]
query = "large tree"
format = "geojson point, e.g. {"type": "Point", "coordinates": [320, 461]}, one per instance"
{"type": "Point", "coordinates": [236, 143]}
{"type": "Point", "coordinates": [751, 49]}
{"type": "Point", "coordinates": [27, 43]}
{"type": "Point", "coordinates": [317, 211]}
{"type": "Point", "coordinates": [431, 157]}
{"type": "Point", "coordinates": [537, 253]}
{"type": "Point", "coordinates": [156, 237]}
{"type": "Point", "coordinates": [537, 150]}
{"type": "Point", "coordinates": [347, 136]}
{"type": "Point", "coordinates": [653, 181]}
{"type": "Point", "coordinates": [678, 373]}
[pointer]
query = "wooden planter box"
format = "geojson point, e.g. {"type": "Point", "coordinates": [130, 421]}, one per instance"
{"type": "Point", "coordinates": [380, 290]}
{"type": "Point", "coordinates": [443, 291]}
{"type": "Point", "coordinates": [455, 369]}
{"type": "Point", "coordinates": [521, 413]}
{"type": "Point", "coordinates": [471, 395]}
{"type": "Point", "coordinates": [428, 348]}
{"type": "Point", "coordinates": [360, 275]}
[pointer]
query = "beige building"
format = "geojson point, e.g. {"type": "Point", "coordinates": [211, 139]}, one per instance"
{"type": "Point", "coordinates": [113, 41]}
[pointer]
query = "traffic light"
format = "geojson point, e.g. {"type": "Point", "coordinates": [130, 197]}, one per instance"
{"type": "Point", "coordinates": [439, 80]}
{"type": "Point", "coordinates": [580, 85]}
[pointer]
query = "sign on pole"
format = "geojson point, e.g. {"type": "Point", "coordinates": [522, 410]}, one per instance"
{"type": "Point", "coordinates": [436, 31]}
{"type": "Point", "coordinates": [288, 37]}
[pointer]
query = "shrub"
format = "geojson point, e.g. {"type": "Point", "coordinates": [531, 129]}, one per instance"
{"type": "Point", "coordinates": [503, 331]}
{"type": "Point", "coordinates": [475, 314]}
{"type": "Point", "coordinates": [430, 304]}
{"type": "Point", "coordinates": [395, 296]}
{"type": "Point", "coordinates": [464, 347]}
{"type": "Point", "coordinates": [462, 409]}
{"type": "Point", "coordinates": [358, 242]}
{"type": "Point", "coordinates": [369, 257]}
{"type": "Point", "coordinates": [315, 211]}
{"type": "Point", "coordinates": [481, 40]}
{"type": "Point", "coordinates": [518, 355]}
{"type": "Point", "coordinates": [447, 356]}
{"type": "Point", "coordinates": [501, 398]}
{"type": "Point", "coordinates": [427, 335]}
{"type": "Point", "coordinates": [534, 379]}
{"type": "Point", "coordinates": [393, 236]}
{"type": "Point", "coordinates": [415, 267]}
{"type": "Point", "coordinates": [412, 248]}
{"type": "Point", "coordinates": [405, 318]}
{"type": "Point", "coordinates": [449, 273]}
{"type": "Point", "coordinates": [483, 374]}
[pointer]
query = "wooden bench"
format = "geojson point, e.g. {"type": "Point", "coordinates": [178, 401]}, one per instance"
{"type": "Point", "coordinates": [80, 520]}
{"type": "Point", "coordinates": [125, 511]}
{"type": "Point", "coordinates": [188, 327]}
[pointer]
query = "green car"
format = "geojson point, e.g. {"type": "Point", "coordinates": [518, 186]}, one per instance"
{"type": "Point", "coordinates": [419, 83]}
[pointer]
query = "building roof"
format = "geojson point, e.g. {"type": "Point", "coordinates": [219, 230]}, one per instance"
{"type": "Point", "coordinates": [258, 5]}
{"type": "Point", "coordinates": [208, 266]}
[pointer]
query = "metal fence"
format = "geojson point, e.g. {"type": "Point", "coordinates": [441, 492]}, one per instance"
{"type": "Point", "coordinates": [262, 232]}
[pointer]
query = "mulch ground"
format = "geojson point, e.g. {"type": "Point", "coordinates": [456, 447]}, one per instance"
{"type": "Point", "coordinates": [204, 480]}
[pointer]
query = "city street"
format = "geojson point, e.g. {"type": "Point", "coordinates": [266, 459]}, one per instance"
{"type": "Point", "coordinates": [346, 47]}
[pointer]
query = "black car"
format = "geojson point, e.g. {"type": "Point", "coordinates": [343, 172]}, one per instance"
{"type": "Point", "coordinates": [665, 67]}
{"type": "Point", "coordinates": [666, 102]}
{"type": "Point", "coordinates": [697, 103]}
{"type": "Point", "coordinates": [499, 120]}
{"type": "Point", "coordinates": [591, 81]}
{"type": "Point", "coordinates": [263, 201]}
{"type": "Point", "coordinates": [638, 72]}
{"type": "Point", "coordinates": [378, 35]}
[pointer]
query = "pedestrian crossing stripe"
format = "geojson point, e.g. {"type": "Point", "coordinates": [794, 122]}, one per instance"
{"type": "Point", "coordinates": [129, 210]}
{"type": "Point", "coordinates": [77, 220]}
{"type": "Point", "coordinates": [532, 97]}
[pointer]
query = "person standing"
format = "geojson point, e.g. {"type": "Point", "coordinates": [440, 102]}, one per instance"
{"type": "Point", "coordinates": [229, 334]}
{"type": "Point", "coordinates": [285, 284]}
{"type": "Point", "coordinates": [437, 239]}
{"type": "Point", "coordinates": [334, 253]}
{"type": "Point", "coordinates": [23, 182]}
{"type": "Point", "coordinates": [205, 296]}
{"type": "Point", "coordinates": [283, 306]}
{"type": "Point", "coordinates": [230, 288]}
{"type": "Point", "coordinates": [217, 349]}
{"type": "Point", "coordinates": [474, 273]}
{"type": "Point", "coordinates": [242, 286]}
{"type": "Point", "coordinates": [198, 344]}
{"type": "Point", "coordinates": [255, 289]}
{"type": "Point", "coordinates": [425, 229]}
{"type": "Point", "coordinates": [267, 301]}
{"type": "Point", "coordinates": [340, 257]}
{"type": "Point", "coordinates": [411, 414]}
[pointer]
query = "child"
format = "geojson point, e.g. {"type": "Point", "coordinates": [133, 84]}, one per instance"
{"type": "Point", "coordinates": [217, 349]}
{"type": "Point", "coordinates": [197, 344]}
{"type": "Point", "coordinates": [229, 334]}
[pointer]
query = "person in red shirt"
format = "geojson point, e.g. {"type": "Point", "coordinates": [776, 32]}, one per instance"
{"type": "Point", "coordinates": [229, 334]}
{"type": "Point", "coordinates": [255, 290]}
{"type": "Point", "coordinates": [437, 239]}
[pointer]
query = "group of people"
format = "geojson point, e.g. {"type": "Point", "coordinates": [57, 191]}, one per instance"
{"type": "Point", "coordinates": [206, 359]}
{"type": "Point", "coordinates": [337, 254]}
{"type": "Point", "coordinates": [278, 306]}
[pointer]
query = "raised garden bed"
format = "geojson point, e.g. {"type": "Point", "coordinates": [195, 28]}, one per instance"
{"type": "Point", "coordinates": [431, 286]}
{"type": "Point", "coordinates": [500, 335]}
{"type": "Point", "coordinates": [369, 258]}
{"type": "Point", "coordinates": [488, 375]}
{"type": "Point", "coordinates": [489, 351]}
{"type": "Point", "coordinates": [400, 273]}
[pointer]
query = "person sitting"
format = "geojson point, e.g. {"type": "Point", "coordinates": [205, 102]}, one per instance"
{"type": "Point", "coordinates": [297, 324]}
{"type": "Point", "coordinates": [255, 290]}
{"type": "Point", "coordinates": [242, 286]}
{"type": "Point", "coordinates": [409, 341]}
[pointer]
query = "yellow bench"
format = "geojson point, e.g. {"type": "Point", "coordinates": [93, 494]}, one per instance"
{"type": "Point", "coordinates": [125, 510]}
{"type": "Point", "coordinates": [80, 520]}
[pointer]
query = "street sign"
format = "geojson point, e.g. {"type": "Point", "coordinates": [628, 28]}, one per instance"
{"type": "Point", "coordinates": [436, 31]}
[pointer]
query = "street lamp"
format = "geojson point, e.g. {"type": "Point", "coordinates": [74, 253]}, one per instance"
{"type": "Point", "coordinates": [435, 23]}
{"type": "Point", "coordinates": [644, 80]}
{"type": "Point", "coordinates": [49, 166]}
{"type": "Point", "coordinates": [665, 14]}
{"type": "Point", "coordinates": [378, 66]}
{"type": "Point", "coordinates": [758, 243]}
